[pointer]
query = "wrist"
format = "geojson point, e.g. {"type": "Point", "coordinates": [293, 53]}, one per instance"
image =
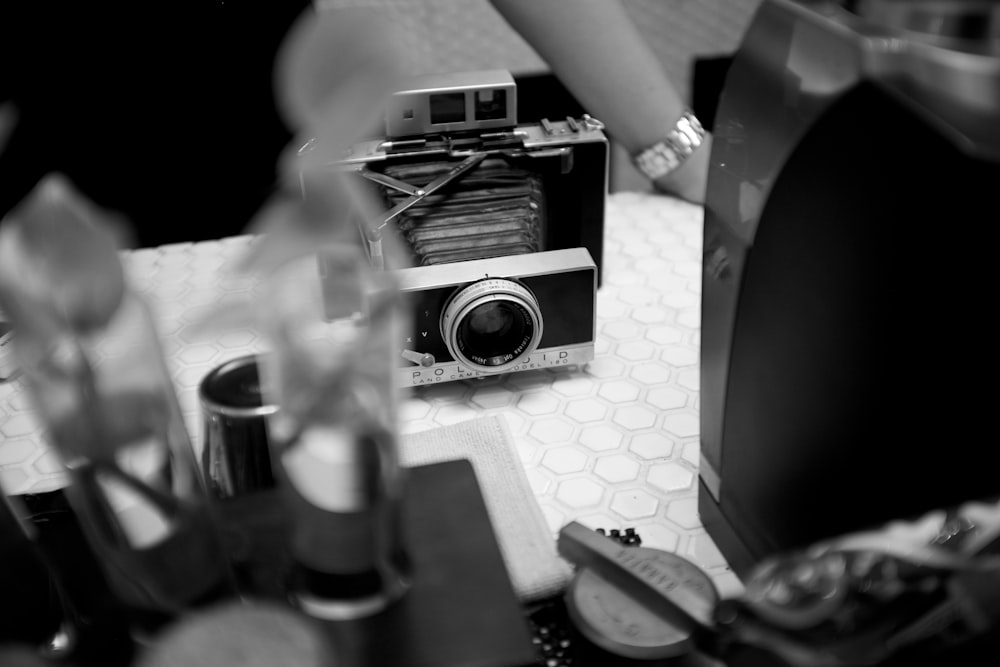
{"type": "Point", "coordinates": [672, 150]}
{"type": "Point", "coordinates": [690, 179]}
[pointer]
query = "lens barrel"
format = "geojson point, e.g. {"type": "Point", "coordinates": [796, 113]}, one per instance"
{"type": "Point", "coordinates": [491, 325]}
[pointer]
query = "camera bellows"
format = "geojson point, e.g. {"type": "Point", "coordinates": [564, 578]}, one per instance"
{"type": "Point", "coordinates": [497, 209]}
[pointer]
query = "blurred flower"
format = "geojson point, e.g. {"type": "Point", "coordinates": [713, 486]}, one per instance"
{"type": "Point", "coordinates": [59, 264]}
{"type": "Point", "coordinates": [333, 75]}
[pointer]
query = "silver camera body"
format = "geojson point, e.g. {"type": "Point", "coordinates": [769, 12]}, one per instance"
{"type": "Point", "coordinates": [504, 223]}
{"type": "Point", "coordinates": [499, 315]}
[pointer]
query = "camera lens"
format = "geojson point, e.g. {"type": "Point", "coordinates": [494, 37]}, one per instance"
{"type": "Point", "coordinates": [495, 332]}
{"type": "Point", "coordinates": [492, 325]}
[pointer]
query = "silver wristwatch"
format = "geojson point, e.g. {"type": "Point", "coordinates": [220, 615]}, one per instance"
{"type": "Point", "coordinates": [664, 156]}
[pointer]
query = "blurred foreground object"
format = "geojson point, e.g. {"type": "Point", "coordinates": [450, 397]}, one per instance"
{"type": "Point", "coordinates": [332, 76]}
{"type": "Point", "coordinates": [909, 591]}
{"type": "Point", "coordinates": [917, 590]}
{"type": "Point", "coordinates": [329, 321]}
{"type": "Point", "coordinates": [260, 634]}
{"type": "Point", "coordinates": [335, 432]}
{"type": "Point", "coordinates": [96, 374]}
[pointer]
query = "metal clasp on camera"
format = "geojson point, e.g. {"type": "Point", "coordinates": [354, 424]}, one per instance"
{"type": "Point", "coordinates": [587, 123]}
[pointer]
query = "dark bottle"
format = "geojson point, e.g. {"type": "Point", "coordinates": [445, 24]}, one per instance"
{"type": "Point", "coordinates": [55, 600]}
{"type": "Point", "coordinates": [92, 628]}
{"type": "Point", "coordinates": [31, 610]}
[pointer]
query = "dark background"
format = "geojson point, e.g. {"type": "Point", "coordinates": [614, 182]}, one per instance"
{"type": "Point", "coordinates": [161, 111]}
{"type": "Point", "coordinates": [166, 113]}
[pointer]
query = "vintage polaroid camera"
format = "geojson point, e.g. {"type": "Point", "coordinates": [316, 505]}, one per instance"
{"type": "Point", "coordinates": [503, 223]}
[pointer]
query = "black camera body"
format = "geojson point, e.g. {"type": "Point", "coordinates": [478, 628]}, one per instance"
{"type": "Point", "coordinates": [503, 223]}
{"type": "Point", "coordinates": [822, 273]}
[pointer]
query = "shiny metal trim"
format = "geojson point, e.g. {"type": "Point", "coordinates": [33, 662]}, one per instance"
{"type": "Point", "coordinates": [710, 476]}
{"type": "Point", "coordinates": [513, 266]}
{"type": "Point", "coordinates": [563, 356]}
{"type": "Point", "coordinates": [480, 293]}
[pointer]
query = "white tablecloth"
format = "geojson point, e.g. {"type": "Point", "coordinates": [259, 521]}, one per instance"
{"type": "Point", "coordinates": [613, 444]}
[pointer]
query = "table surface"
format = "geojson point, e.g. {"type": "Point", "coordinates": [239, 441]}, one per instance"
{"type": "Point", "coordinates": [613, 444]}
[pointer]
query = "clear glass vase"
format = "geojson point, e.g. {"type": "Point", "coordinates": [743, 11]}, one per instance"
{"type": "Point", "coordinates": [332, 323]}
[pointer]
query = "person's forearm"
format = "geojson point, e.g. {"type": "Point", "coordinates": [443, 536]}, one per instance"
{"type": "Point", "coordinates": [596, 51]}
{"type": "Point", "coordinates": [593, 47]}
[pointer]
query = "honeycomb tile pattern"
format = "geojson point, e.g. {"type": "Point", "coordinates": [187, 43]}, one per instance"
{"type": "Point", "coordinates": [611, 444]}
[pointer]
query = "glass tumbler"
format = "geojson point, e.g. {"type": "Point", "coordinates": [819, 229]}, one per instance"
{"type": "Point", "coordinates": [236, 453]}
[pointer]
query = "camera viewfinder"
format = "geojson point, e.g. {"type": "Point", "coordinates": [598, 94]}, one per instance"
{"type": "Point", "coordinates": [447, 108]}
{"type": "Point", "coordinates": [491, 104]}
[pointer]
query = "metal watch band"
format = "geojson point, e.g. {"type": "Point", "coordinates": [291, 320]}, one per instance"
{"type": "Point", "coordinates": [667, 154]}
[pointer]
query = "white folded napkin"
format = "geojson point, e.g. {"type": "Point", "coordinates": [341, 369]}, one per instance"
{"type": "Point", "coordinates": [528, 548]}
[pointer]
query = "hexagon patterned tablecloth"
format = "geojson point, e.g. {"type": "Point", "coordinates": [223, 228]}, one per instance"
{"type": "Point", "coordinates": [612, 444]}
